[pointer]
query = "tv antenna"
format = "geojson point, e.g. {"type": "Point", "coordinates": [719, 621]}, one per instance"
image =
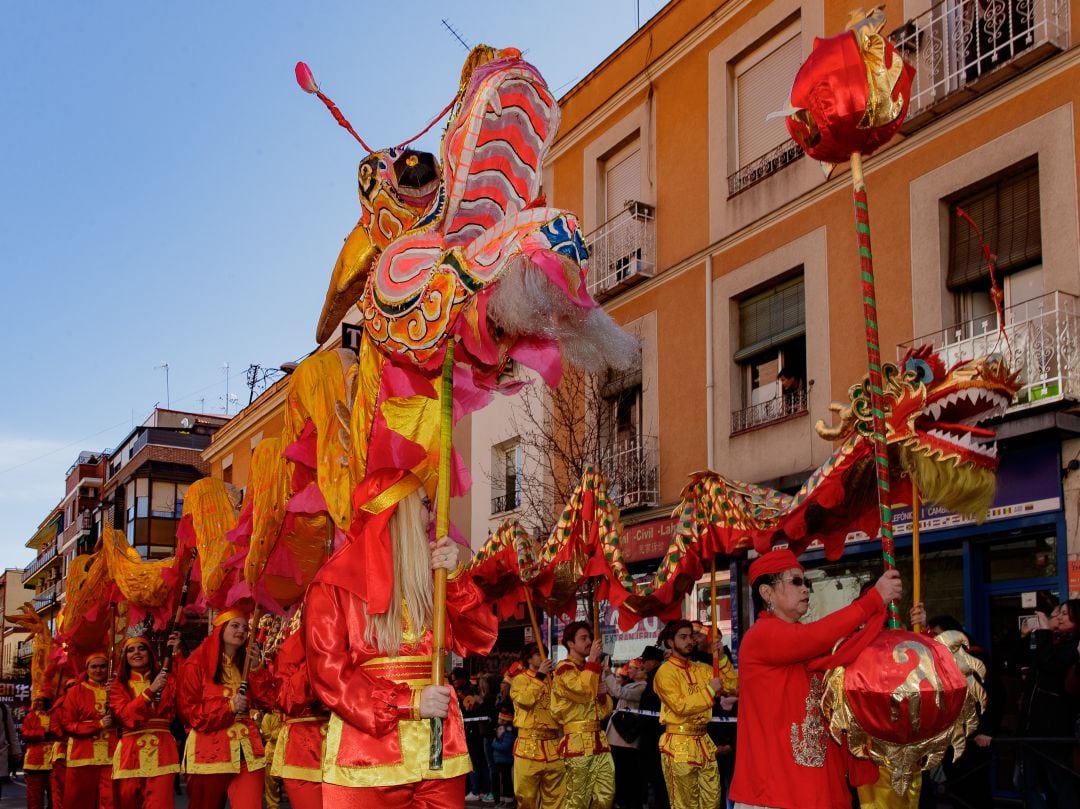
{"type": "Point", "coordinates": [165, 364]}
{"type": "Point", "coordinates": [454, 33]}
{"type": "Point", "coordinates": [225, 370]}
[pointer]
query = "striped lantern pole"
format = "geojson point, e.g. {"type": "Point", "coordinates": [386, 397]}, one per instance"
{"type": "Point", "coordinates": [877, 396]}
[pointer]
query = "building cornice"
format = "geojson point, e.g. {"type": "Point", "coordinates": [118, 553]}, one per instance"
{"type": "Point", "coordinates": [1007, 92]}
{"type": "Point", "coordinates": [641, 81]}
{"type": "Point", "coordinates": [242, 424]}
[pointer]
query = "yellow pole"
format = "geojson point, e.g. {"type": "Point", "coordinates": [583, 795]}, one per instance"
{"type": "Point", "coordinates": [712, 596]}
{"type": "Point", "coordinates": [535, 625]}
{"type": "Point", "coordinates": [442, 528]}
{"type": "Point", "coordinates": [916, 567]}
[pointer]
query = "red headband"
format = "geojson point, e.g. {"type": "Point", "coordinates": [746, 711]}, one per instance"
{"type": "Point", "coordinates": [773, 562]}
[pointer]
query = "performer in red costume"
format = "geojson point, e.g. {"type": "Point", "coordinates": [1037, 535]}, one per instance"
{"type": "Point", "coordinates": [786, 759]}
{"type": "Point", "coordinates": [59, 740]}
{"type": "Point", "coordinates": [143, 701]}
{"type": "Point", "coordinates": [299, 751]}
{"type": "Point", "coordinates": [224, 756]}
{"type": "Point", "coordinates": [38, 754]}
{"type": "Point", "coordinates": [367, 628]}
{"type": "Point", "coordinates": [92, 738]}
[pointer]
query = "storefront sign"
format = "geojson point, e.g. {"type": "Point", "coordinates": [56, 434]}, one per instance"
{"type": "Point", "coordinates": [1074, 578]}
{"type": "Point", "coordinates": [648, 540]}
{"type": "Point", "coordinates": [15, 694]}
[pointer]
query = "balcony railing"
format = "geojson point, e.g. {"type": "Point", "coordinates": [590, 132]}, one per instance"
{"type": "Point", "coordinates": [962, 48]}
{"type": "Point", "coordinates": [47, 597]}
{"type": "Point", "coordinates": [622, 251]}
{"type": "Point", "coordinates": [505, 502]}
{"type": "Point", "coordinates": [24, 649]}
{"type": "Point", "coordinates": [1041, 343]}
{"type": "Point", "coordinates": [632, 469]}
{"type": "Point", "coordinates": [768, 164]}
{"type": "Point", "coordinates": [785, 405]}
{"type": "Point", "coordinates": [38, 564]}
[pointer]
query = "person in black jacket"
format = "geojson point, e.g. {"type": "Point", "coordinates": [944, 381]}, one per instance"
{"type": "Point", "coordinates": [649, 747]}
{"type": "Point", "coordinates": [1047, 710]}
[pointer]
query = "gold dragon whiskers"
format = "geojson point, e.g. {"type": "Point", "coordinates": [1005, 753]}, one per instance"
{"type": "Point", "coordinates": [963, 488]}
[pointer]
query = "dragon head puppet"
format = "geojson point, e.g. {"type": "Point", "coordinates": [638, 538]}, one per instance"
{"type": "Point", "coordinates": [466, 248]}
{"type": "Point", "coordinates": [933, 430]}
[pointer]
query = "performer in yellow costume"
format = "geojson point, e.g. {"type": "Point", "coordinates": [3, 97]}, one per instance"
{"type": "Point", "coordinates": [579, 702]}
{"type": "Point", "coordinates": [687, 691]}
{"type": "Point", "coordinates": [539, 775]}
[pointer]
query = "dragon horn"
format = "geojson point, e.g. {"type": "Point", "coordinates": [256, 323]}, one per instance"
{"type": "Point", "coordinates": [306, 79]}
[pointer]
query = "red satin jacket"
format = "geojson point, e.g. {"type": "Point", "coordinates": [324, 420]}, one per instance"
{"type": "Point", "coordinates": [147, 747]}
{"type": "Point", "coordinates": [299, 750]}
{"type": "Point", "coordinates": [375, 736]}
{"type": "Point", "coordinates": [89, 745]}
{"type": "Point", "coordinates": [38, 753]}
{"type": "Point", "coordinates": [219, 740]}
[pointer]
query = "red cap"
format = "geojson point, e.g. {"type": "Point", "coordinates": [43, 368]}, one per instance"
{"type": "Point", "coordinates": [773, 562]}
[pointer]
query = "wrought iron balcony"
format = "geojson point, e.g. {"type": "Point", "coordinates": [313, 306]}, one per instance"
{"type": "Point", "coordinates": [768, 164]}
{"type": "Point", "coordinates": [962, 48]}
{"type": "Point", "coordinates": [24, 649]}
{"type": "Point", "coordinates": [632, 468]}
{"type": "Point", "coordinates": [38, 565]}
{"type": "Point", "coordinates": [622, 251]}
{"type": "Point", "coordinates": [1041, 341]}
{"type": "Point", "coordinates": [47, 597]}
{"type": "Point", "coordinates": [505, 502]}
{"type": "Point", "coordinates": [783, 406]}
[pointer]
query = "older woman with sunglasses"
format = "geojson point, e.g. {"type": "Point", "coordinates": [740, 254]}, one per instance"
{"type": "Point", "coordinates": [785, 757]}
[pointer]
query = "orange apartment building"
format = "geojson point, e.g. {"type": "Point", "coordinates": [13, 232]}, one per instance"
{"type": "Point", "coordinates": [732, 257]}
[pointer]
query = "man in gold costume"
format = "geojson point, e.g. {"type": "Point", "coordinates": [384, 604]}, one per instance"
{"type": "Point", "coordinates": [687, 691]}
{"type": "Point", "coordinates": [579, 702]}
{"type": "Point", "coordinates": [539, 775]}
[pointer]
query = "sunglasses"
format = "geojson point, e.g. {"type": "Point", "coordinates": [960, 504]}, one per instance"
{"type": "Point", "coordinates": [799, 581]}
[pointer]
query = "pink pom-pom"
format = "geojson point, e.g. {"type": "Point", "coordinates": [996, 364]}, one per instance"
{"type": "Point", "coordinates": [305, 78]}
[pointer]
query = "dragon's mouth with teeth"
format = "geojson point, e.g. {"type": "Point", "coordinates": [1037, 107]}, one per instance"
{"type": "Point", "coordinates": [949, 427]}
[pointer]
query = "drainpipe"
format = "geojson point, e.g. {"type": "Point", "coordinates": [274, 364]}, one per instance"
{"type": "Point", "coordinates": [710, 382]}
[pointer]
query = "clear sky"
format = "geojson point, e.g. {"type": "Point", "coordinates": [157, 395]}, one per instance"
{"type": "Point", "coordinates": [167, 192]}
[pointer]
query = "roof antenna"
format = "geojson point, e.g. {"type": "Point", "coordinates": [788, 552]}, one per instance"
{"type": "Point", "coordinates": [456, 35]}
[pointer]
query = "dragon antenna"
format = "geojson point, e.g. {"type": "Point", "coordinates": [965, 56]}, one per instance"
{"type": "Point", "coordinates": [306, 80]}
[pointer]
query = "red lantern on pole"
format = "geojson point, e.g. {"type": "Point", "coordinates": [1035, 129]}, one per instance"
{"type": "Point", "coordinates": [851, 94]}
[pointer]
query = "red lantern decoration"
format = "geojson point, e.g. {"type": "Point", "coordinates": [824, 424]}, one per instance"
{"type": "Point", "coordinates": [904, 700]}
{"type": "Point", "coordinates": [851, 94]}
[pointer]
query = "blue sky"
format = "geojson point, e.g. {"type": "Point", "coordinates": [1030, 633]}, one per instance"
{"type": "Point", "coordinates": [169, 194]}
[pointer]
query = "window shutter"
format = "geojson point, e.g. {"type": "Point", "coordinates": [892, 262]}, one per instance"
{"type": "Point", "coordinates": [771, 318]}
{"type": "Point", "coordinates": [1007, 213]}
{"type": "Point", "coordinates": [761, 88]}
{"type": "Point", "coordinates": [622, 180]}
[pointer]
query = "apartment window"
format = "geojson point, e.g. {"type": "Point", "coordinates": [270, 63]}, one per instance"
{"type": "Point", "coordinates": [772, 354]}
{"type": "Point", "coordinates": [1005, 210]}
{"type": "Point", "coordinates": [621, 419]}
{"type": "Point", "coordinates": [621, 178]}
{"type": "Point", "coordinates": [508, 460]}
{"type": "Point", "coordinates": [163, 499]}
{"type": "Point", "coordinates": [763, 80]}
{"type": "Point", "coordinates": [226, 474]}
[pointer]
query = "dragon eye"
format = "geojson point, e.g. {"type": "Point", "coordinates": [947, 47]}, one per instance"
{"type": "Point", "coordinates": [922, 370]}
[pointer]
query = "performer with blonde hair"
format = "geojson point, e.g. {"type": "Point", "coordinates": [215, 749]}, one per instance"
{"type": "Point", "coordinates": [224, 755]}
{"type": "Point", "coordinates": [367, 629]}
{"type": "Point", "coordinates": [91, 734]}
{"type": "Point", "coordinates": [143, 701]}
